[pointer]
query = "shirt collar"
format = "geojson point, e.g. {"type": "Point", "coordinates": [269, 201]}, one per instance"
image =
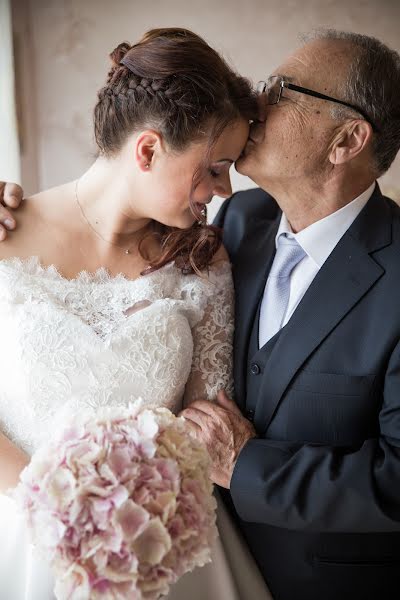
{"type": "Point", "coordinates": [319, 239]}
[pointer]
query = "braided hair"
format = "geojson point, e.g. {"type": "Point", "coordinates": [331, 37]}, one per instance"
{"type": "Point", "coordinates": [174, 82]}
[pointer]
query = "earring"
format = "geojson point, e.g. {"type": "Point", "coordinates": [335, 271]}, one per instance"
{"type": "Point", "coordinates": [147, 166]}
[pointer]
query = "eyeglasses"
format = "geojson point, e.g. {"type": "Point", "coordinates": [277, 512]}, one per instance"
{"type": "Point", "coordinates": [275, 84]}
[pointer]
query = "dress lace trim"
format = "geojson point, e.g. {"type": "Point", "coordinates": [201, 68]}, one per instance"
{"type": "Point", "coordinates": [99, 339]}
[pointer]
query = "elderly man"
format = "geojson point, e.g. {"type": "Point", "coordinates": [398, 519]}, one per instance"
{"type": "Point", "coordinates": [317, 347]}
{"type": "Point", "coordinates": [310, 452]}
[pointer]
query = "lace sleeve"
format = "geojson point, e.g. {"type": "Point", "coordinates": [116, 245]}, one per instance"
{"type": "Point", "coordinates": [213, 340]}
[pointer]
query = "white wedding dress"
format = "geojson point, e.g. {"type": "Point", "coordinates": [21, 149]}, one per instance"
{"type": "Point", "coordinates": [99, 340]}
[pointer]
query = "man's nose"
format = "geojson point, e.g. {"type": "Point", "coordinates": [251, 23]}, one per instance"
{"type": "Point", "coordinates": [262, 107]}
{"type": "Point", "coordinates": [255, 129]}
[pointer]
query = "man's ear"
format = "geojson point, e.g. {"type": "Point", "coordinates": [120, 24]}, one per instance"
{"type": "Point", "coordinates": [147, 144]}
{"type": "Point", "coordinates": [352, 139]}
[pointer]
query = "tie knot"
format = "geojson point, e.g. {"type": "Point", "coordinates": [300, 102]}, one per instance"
{"type": "Point", "coordinates": [288, 254]}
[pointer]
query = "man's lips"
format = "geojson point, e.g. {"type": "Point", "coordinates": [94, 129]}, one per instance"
{"type": "Point", "coordinates": [249, 141]}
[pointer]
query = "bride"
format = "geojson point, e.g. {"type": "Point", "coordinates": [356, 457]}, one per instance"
{"type": "Point", "coordinates": [117, 288]}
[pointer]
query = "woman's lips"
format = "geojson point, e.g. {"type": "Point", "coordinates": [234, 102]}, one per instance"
{"type": "Point", "coordinates": [201, 205]}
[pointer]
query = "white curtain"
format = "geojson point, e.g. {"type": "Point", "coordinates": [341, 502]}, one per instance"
{"type": "Point", "coordinates": [10, 166]}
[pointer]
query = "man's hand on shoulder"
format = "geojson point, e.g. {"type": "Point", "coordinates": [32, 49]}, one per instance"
{"type": "Point", "coordinates": [11, 196]}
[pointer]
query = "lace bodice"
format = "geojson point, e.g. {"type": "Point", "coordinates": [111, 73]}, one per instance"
{"type": "Point", "coordinates": [100, 340]}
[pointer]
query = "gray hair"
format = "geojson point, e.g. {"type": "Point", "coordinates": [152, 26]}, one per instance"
{"type": "Point", "coordinates": [373, 84]}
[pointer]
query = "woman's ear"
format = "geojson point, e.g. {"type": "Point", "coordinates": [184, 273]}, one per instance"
{"type": "Point", "coordinates": [148, 143]}
{"type": "Point", "coordinates": [353, 138]}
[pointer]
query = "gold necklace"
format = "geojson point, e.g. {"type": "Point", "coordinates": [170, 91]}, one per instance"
{"type": "Point", "coordinates": [126, 250]}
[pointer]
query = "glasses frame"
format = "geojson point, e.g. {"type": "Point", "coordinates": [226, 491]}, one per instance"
{"type": "Point", "coordinates": [262, 86]}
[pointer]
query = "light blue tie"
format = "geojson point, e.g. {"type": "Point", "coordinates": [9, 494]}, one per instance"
{"type": "Point", "coordinates": [277, 290]}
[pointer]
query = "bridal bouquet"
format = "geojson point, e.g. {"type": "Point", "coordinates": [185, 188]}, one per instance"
{"type": "Point", "coordinates": [120, 503]}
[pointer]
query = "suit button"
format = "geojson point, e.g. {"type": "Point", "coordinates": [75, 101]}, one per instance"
{"type": "Point", "coordinates": [255, 369]}
{"type": "Point", "coordinates": [250, 415]}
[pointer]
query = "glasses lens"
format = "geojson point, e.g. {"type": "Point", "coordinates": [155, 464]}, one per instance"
{"type": "Point", "coordinates": [261, 87]}
{"type": "Point", "coordinates": [272, 89]}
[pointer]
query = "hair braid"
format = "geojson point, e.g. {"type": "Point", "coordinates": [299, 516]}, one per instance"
{"type": "Point", "coordinates": [174, 82]}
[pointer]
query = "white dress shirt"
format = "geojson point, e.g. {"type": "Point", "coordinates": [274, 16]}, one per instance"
{"type": "Point", "coordinates": [318, 240]}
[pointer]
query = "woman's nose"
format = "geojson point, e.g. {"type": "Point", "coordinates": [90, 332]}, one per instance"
{"type": "Point", "coordinates": [224, 190]}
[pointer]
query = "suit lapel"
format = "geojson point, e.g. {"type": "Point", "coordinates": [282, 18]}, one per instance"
{"type": "Point", "coordinates": [250, 274]}
{"type": "Point", "coordinates": [343, 280]}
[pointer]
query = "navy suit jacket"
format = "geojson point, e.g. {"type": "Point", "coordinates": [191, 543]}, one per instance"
{"type": "Point", "coordinates": [317, 493]}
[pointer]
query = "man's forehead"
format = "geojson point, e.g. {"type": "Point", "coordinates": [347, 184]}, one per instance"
{"type": "Point", "coordinates": [312, 63]}
{"type": "Point", "coordinates": [296, 66]}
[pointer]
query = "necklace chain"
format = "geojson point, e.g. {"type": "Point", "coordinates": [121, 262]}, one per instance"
{"type": "Point", "coordinates": [126, 250]}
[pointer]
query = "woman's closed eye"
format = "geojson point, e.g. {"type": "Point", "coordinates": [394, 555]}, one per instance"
{"type": "Point", "coordinates": [220, 168]}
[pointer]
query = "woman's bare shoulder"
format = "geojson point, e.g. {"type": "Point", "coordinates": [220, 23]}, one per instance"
{"type": "Point", "coordinates": [17, 242]}
{"type": "Point", "coordinates": [34, 224]}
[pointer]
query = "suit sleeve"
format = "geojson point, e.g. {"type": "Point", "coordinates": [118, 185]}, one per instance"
{"type": "Point", "coordinates": [326, 489]}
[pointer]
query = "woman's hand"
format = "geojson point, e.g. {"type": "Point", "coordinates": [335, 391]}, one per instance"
{"type": "Point", "coordinates": [12, 462]}
{"type": "Point", "coordinates": [11, 196]}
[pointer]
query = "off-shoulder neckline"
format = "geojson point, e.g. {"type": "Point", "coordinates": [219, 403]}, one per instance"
{"type": "Point", "coordinates": [34, 266]}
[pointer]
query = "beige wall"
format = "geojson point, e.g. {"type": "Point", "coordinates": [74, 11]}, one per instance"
{"type": "Point", "coordinates": [9, 143]}
{"type": "Point", "coordinates": [63, 46]}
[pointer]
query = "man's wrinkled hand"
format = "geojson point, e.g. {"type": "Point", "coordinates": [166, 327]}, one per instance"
{"type": "Point", "coordinates": [11, 196]}
{"type": "Point", "coordinates": [224, 431]}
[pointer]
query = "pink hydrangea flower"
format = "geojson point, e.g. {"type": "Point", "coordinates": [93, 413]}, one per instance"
{"type": "Point", "coordinates": [120, 503]}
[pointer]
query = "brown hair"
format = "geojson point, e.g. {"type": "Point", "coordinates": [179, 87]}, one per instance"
{"type": "Point", "coordinates": [172, 81]}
